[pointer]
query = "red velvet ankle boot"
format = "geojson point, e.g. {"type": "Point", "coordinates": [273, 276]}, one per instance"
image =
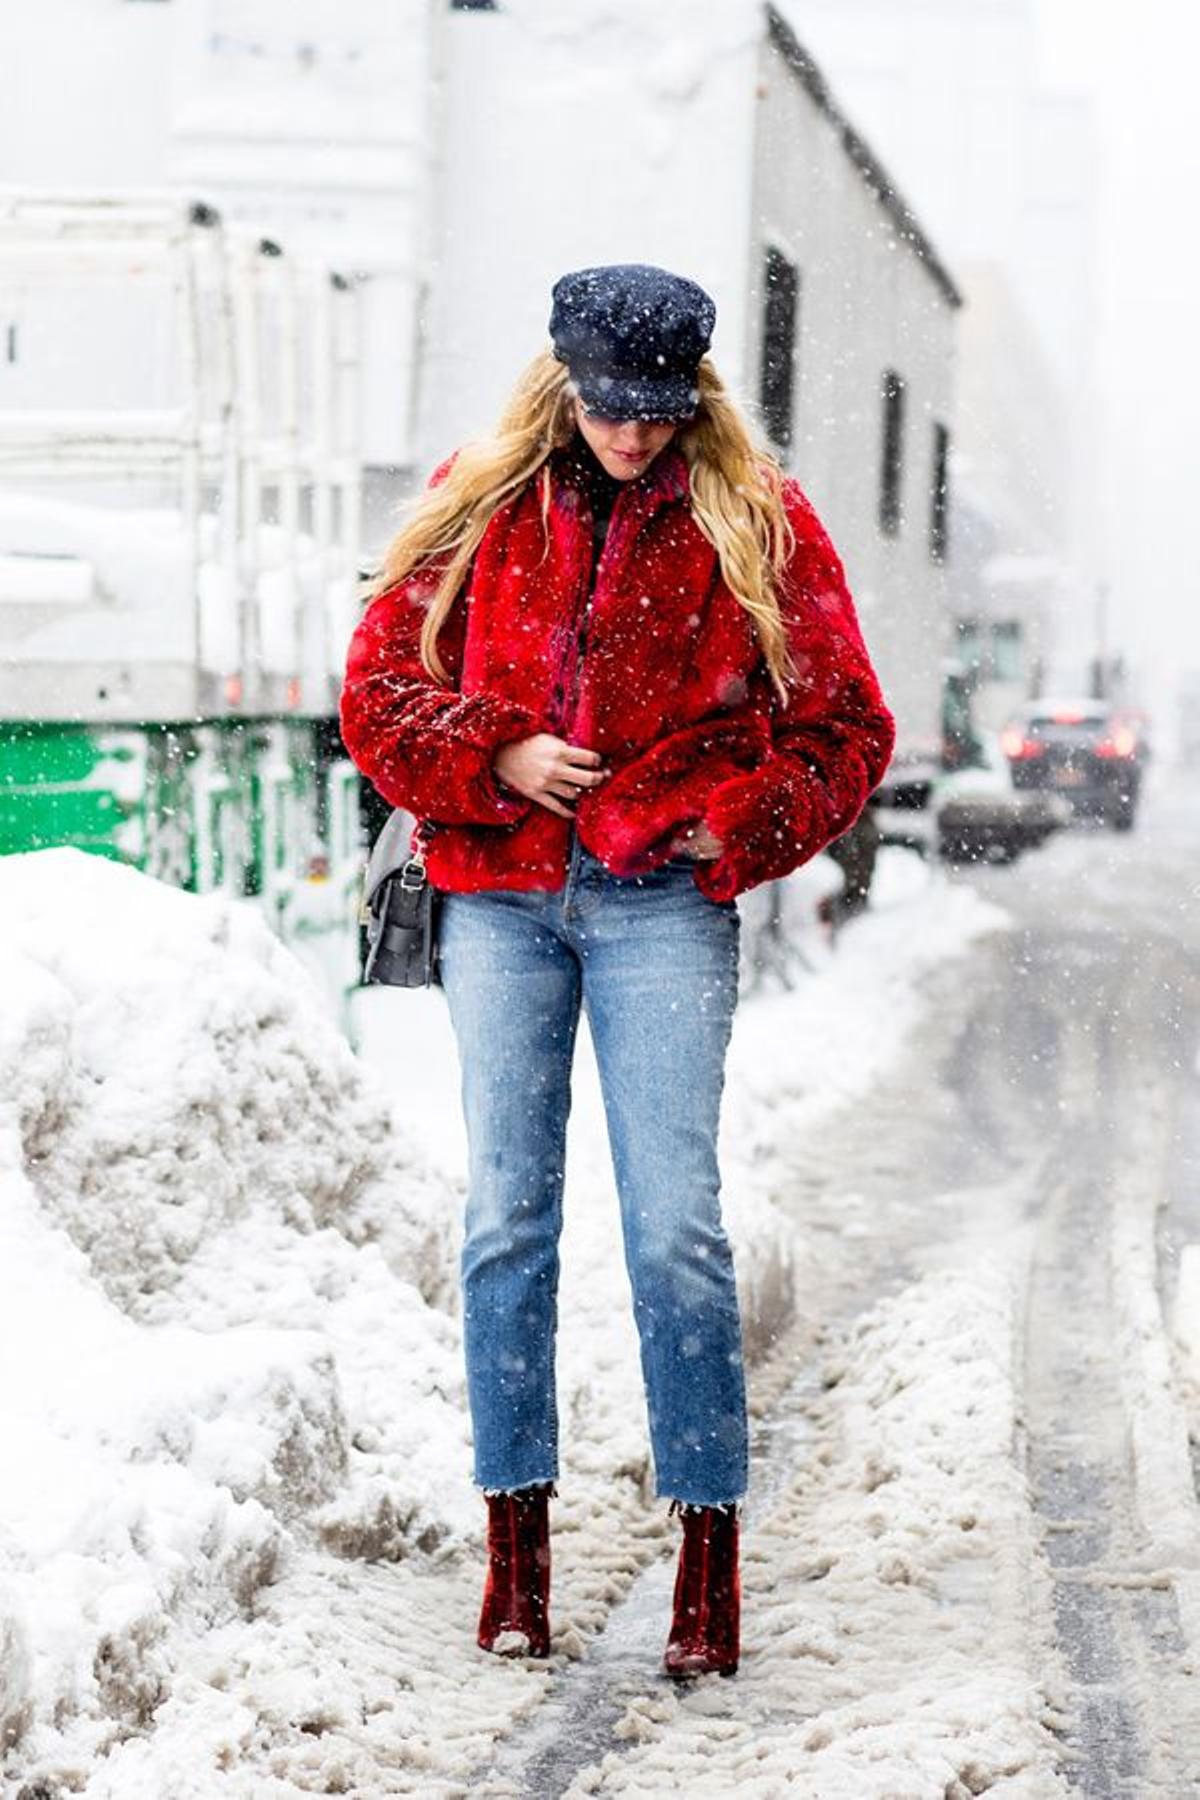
{"type": "Point", "coordinates": [704, 1629]}
{"type": "Point", "coordinates": [515, 1620]}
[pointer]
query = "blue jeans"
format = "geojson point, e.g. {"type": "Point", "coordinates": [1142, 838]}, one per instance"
{"type": "Point", "coordinates": [655, 963]}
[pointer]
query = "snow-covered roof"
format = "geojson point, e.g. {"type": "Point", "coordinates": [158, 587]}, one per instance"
{"type": "Point", "coordinates": [1084, 706]}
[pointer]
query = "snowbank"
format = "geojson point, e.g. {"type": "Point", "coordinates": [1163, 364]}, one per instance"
{"type": "Point", "coordinates": [171, 1075]}
{"type": "Point", "coordinates": [217, 1264]}
{"type": "Point", "coordinates": [806, 1049]}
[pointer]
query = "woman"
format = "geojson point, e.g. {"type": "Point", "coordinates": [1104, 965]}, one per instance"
{"type": "Point", "coordinates": [614, 670]}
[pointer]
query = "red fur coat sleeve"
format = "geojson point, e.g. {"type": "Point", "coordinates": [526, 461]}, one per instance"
{"type": "Point", "coordinates": [426, 747]}
{"type": "Point", "coordinates": [830, 744]}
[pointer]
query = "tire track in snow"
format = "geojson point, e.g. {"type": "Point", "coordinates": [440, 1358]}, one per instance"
{"type": "Point", "coordinates": [1107, 1440]}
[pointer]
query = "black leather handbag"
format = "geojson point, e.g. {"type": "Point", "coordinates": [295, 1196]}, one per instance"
{"type": "Point", "coordinates": [400, 909]}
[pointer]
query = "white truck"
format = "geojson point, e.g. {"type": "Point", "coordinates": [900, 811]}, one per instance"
{"type": "Point", "coordinates": [178, 553]}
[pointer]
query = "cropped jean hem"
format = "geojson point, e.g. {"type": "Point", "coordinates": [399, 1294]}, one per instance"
{"type": "Point", "coordinates": [687, 1497]}
{"type": "Point", "coordinates": [498, 1493]}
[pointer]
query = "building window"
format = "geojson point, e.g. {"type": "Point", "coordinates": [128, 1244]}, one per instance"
{"type": "Point", "coordinates": [10, 344]}
{"type": "Point", "coordinates": [939, 497]}
{"type": "Point", "coordinates": [970, 642]}
{"type": "Point", "coordinates": [891, 475]}
{"type": "Point", "coordinates": [777, 376]}
{"type": "Point", "coordinates": [1006, 650]}
{"type": "Point", "coordinates": [992, 650]}
{"type": "Point", "coordinates": [474, 6]}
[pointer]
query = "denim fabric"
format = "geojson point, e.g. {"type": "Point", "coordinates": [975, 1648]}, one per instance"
{"type": "Point", "coordinates": [655, 964]}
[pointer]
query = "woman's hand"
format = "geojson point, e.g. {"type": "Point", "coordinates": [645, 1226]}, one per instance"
{"type": "Point", "coordinates": [547, 769]}
{"type": "Point", "coordinates": [698, 842]}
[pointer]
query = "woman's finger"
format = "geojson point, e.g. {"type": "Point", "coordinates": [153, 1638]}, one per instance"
{"type": "Point", "coordinates": [587, 759]}
{"type": "Point", "coordinates": [555, 806]}
{"type": "Point", "coordinates": [581, 777]}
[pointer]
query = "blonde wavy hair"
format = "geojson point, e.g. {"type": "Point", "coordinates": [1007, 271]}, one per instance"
{"type": "Point", "coordinates": [736, 500]}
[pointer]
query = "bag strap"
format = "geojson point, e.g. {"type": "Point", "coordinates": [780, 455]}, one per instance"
{"type": "Point", "coordinates": [419, 841]}
{"type": "Point", "coordinates": [396, 849]}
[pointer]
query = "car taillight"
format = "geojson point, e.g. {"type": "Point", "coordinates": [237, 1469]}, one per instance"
{"type": "Point", "coordinates": [1017, 747]}
{"type": "Point", "coordinates": [1122, 743]}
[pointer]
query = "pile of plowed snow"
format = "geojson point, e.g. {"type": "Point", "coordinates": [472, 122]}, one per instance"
{"type": "Point", "coordinates": [223, 1277]}
{"type": "Point", "coordinates": [229, 1369]}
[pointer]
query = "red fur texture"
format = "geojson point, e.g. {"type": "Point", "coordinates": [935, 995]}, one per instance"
{"type": "Point", "coordinates": [672, 690]}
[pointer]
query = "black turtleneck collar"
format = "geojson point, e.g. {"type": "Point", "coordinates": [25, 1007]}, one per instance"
{"type": "Point", "coordinates": [601, 487]}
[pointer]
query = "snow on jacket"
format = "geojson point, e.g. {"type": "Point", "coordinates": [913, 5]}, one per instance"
{"type": "Point", "coordinates": [671, 688]}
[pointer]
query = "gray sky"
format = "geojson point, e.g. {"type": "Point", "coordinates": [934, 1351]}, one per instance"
{"type": "Point", "coordinates": [1139, 64]}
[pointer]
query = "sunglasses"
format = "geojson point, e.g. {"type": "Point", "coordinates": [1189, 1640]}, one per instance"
{"type": "Point", "coordinates": [602, 418]}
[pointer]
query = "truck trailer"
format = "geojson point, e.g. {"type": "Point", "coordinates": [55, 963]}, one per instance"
{"type": "Point", "coordinates": [179, 554]}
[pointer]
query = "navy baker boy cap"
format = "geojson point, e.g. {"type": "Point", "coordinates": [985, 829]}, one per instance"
{"type": "Point", "coordinates": [632, 337]}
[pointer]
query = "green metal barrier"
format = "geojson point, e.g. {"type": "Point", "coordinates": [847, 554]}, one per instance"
{"type": "Point", "coordinates": [259, 809]}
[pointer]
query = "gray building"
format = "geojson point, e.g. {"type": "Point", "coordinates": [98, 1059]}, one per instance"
{"type": "Point", "coordinates": [712, 145]}
{"type": "Point", "coordinates": [1008, 174]}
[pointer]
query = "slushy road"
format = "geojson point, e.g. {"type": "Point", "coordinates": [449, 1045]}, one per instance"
{"type": "Point", "coordinates": [1050, 1101]}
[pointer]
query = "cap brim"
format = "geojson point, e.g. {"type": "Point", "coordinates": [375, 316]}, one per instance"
{"type": "Point", "coordinates": [664, 400]}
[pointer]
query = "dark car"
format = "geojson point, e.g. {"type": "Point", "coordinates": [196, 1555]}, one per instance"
{"type": "Point", "coordinates": [1088, 751]}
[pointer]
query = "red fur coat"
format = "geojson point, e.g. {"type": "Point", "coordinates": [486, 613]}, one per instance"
{"type": "Point", "coordinates": [672, 690]}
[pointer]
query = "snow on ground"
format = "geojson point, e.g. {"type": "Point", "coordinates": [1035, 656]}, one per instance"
{"type": "Point", "coordinates": [818, 1046]}
{"type": "Point", "coordinates": [218, 1258]}
{"type": "Point", "coordinates": [240, 1553]}
{"type": "Point", "coordinates": [1186, 1320]}
{"type": "Point", "coordinates": [888, 1585]}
